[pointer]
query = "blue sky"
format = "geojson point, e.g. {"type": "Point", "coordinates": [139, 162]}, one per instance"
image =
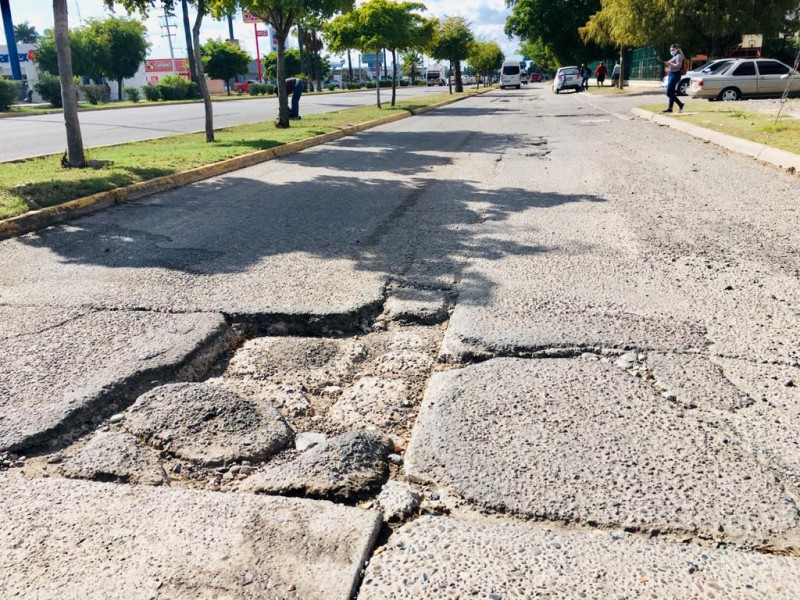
{"type": "Point", "coordinates": [487, 18]}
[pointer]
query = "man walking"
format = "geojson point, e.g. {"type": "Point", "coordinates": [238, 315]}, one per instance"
{"type": "Point", "coordinates": [585, 72]}
{"type": "Point", "coordinates": [600, 72]}
{"type": "Point", "coordinates": [615, 74]}
{"type": "Point", "coordinates": [676, 70]}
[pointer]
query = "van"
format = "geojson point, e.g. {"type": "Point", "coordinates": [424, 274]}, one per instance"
{"type": "Point", "coordinates": [509, 76]}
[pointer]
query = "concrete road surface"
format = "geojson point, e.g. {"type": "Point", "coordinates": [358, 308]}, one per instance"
{"type": "Point", "coordinates": [615, 410]}
{"type": "Point", "coordinates": [45, 134]}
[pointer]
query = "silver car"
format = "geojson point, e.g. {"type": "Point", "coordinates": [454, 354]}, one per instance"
{"type": "Point", "coordinates": [708, 68]}
{"type": "Point", "coordinates": [750, 78]}
{"type": "Point", "coordinates": [567, 78]}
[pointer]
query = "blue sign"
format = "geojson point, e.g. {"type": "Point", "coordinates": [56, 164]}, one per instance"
{"type": "Point", "coordinates": [23, 57]}
{"type": "Point", "coordinates": [370, 58]}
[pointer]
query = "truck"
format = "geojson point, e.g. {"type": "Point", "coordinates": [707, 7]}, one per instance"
{"type": "Point", "coordinates": [436, 76]}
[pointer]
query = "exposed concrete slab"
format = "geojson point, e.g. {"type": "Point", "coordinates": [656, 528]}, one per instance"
{"type": "Point", "coordinates": [444, 558]}
{"type": "Point", "coordinates": [342, 468]}
{"type": "Point", "coordinates": [412, 305]}
{"type": "Point", "coordinates": [207, 424]}
{"type": "Point", "coordinates": [63, 367]}
{"type": "Point", "coordinates": [74, 539]}
{"type": "Point", "coordinates": [578, 440]}
{"type": "Point", "coordinates": [114, 456]}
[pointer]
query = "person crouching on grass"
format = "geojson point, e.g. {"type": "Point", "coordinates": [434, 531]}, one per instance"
{"type": "Point", "coordinates": [676, 70]}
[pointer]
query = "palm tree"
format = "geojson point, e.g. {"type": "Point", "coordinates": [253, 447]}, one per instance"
{"type": "Point", "coordinates": [411, 64]}
{"type": "Point", "coordinates": [25, 33]}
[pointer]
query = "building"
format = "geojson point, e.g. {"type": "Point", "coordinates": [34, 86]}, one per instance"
{"type": "Point", "coordinates": [30, 74]}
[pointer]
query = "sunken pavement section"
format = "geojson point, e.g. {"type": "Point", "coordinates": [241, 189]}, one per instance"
{"type": "Point", "coordinates": [422, 362]}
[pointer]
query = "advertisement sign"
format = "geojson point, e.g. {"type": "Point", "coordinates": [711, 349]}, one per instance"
{"type": "Point", "coordinates": [250, 18]}
{"type": "Point", "coordinates": [262, 33]}
{"type": "Point", "coordinates": [23, 56]}
{"type": "Point", "coordinates": [164, 65]}
{"type": "Point", "coordinates": [370, 59]}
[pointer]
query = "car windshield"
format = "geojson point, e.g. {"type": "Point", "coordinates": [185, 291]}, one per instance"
{"type": "Point", "coordinates": [510, 70]}
{"type": "Point", "coordinates": [715, 66]}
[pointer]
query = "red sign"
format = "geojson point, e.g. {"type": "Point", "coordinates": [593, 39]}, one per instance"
{"type": "Point", "coordinates": [262, 33]}
{"type": "Point", "coordinates": [251, 18]}
{"type": "Point", "coordinates": [162, 65]}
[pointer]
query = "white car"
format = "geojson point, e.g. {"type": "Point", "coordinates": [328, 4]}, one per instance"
{"type": "Point", "coordinates": [567, 78]}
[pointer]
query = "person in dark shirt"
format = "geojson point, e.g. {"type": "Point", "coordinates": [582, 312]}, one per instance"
{"type": "Point", "coordinates": [295, 87]}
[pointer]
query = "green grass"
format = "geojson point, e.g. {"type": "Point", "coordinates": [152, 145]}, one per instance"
{"type": "Point", "coordinates": [726, 117]}
{"type": "Point", "coordinates": [41, 182]}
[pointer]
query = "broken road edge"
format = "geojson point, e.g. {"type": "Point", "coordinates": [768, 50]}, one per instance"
{"type": "Point", "coordinates": [52, 215]}
{"type": "Point", "coordinates": [787, 161]}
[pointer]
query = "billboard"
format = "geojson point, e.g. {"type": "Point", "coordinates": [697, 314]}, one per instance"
{"type": "Point", "coordinates": [249, 17]}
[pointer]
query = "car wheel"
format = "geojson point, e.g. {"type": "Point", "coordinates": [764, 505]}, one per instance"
{"type": "Point", "coordinates": [557, 90]}
{"type": "Point", "coordinates": [730, 95]}
{"type": "Point", "coordinates": [682, 87]}
{"type": "Point", "coordinates": [519, 87]}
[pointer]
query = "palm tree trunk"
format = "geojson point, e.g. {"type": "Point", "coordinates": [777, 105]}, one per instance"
{"type": "Point", "coordinates": [350, 65]}
{"type": "Point", "coordinates": [201, 78]}
{"type": "Point", "coordinates": [187, 32]}
{"type": "Point", "coordinates": [459, 84]}
{"type": "Point", "coordinates": [283, 100]}
{"type": "Point", "coordinates": [300, 45]}
{"type": "Point", "coordinates": [75, 154]}
{"type": "Point", "coordinates": [394, 76]}
{"type": "Point", "coordinates": [378, 77]}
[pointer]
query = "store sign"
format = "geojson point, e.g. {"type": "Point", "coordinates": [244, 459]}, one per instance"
{"type": "Point", "coordinates": [161, 65]}
{"type": "Point", "coordinates": [23, 57]}
{"type": "Point", "coordinates": [251, 18]}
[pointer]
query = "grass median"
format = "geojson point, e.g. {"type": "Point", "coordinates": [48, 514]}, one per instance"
{"type": "Point", "coordinates": [41, 182]}
{"type": "Point", "coordinates": [727, 117]}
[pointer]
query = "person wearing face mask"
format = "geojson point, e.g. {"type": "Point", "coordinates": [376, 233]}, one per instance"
{"type": "Point", "coordinates": [675, 66]}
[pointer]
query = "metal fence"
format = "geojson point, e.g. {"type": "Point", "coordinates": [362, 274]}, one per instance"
{"type": "Point", "coordinates": [645, 63]}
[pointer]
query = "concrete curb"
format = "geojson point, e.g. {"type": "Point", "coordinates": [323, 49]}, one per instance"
{"type": "Point", "coordinates": [766, 154]}
{"type": "Point", "coordinates": [45, 217]}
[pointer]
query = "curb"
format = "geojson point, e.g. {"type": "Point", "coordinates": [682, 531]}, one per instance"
{"type": "Point", "coordinates": [45, 217]}
{"type": "Point", "coordinates": [767, 154]}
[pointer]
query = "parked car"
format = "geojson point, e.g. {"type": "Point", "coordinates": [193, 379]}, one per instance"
{"type": "Point", "coordinates": [241, 87]}
{"type": "Point", "coordinates": [524, 77]}
{"type": "Point", "coordinates": [708, 68]}
{"type": "Point", "coordinates": [535, 77]}
{"type": "Point", "coordinates": [567, 78]}
{"type": "Point", "coordinates": [746, 78]}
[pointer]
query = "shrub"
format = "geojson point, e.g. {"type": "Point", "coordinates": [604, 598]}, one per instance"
{"type": "Point", "coordinates": [132, 94]}
{"type": "Point", "coordinates": [269, 89]}
{"type": "Point", "coordinates": [354, 85]}
{"type": "Point", "coordinates": [194, 90]}
{"type": "Point", "coordinates": [371, 85]}
{"type": "Point", "coordinates": [9, 93]}
{"type": "Point", "coordinates": [404, 83]}
{"type": "Point", "coordinates": [49, 88]}
{"type": "Point", "coordinates": [254, 89]}
{"type": "Point", "coordinates": [331, 87]}
{"type": "Point", "coordinates": [95, 93]}
{"type": "Point", "coordinates": [175, 87]}
{"type": "Point", "coordinates": [152, 93]}
{"type": "Point", "coordinates": [386, 83]}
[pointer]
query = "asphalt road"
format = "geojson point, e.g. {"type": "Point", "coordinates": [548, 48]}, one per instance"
{"type": "Point", "coordinates": [44, 134]}
{"type": "Point", "coordinates": [622, 354]}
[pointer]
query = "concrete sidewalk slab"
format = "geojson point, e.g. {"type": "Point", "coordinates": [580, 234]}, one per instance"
{"type": "Point", "coordinates": [576, 440]}
{"type": "Point", "coordinates": [73, 539]}
{"type": "Point", "coordinates": [444, 558]}
{"type": "Point", "coordinates": [60, 368]}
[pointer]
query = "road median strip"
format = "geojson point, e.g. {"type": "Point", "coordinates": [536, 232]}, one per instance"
{"type": "Point", "coordinates": [57, 212]}
{"type": "Point", "coordinates": [765, 153]}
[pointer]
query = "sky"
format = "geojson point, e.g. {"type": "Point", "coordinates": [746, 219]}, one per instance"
{"type": "Point", "coordinates": [487, 18]}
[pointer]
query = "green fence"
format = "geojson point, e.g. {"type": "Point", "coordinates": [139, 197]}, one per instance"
{"type": "Point", "coordinates": [645, 63]}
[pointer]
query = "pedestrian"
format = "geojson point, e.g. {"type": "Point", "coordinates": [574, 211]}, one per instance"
{"type": "Point", "coordinates": [600, 72]}
{"type": "Point", "coordinates": [676, 68]}
{"type": "Point", "coordinates": [294, 86]}
{"type": "Point", "coordinates": [585, 72]}
{"type": "Point", "coordinates": [615, 73]}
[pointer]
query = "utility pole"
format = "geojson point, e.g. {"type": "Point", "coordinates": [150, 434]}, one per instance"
{"type": "Point", "coordinates": [169, 35]}
{"type": "Point", "coordinates": [13, 56]}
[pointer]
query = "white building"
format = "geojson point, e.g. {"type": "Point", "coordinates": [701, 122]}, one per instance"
{"type": "Point", "coordinates": [30, 74]}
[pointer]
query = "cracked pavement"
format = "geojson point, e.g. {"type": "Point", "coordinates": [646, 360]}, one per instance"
{"type": "Point", "coordinates": [575, 333]}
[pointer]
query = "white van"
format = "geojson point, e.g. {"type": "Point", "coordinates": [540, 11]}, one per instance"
{"type": "Point", "coordinates": [509, 76]}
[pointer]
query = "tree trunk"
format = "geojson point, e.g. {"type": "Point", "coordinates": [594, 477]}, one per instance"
{"type": "Point", "coordinates": [459, 84]}
{"type": "Point", "coordinates": [394, 76]}
{"type": "Point", "coordinates": [450, 79]}
{"type": "Point", "coordinates": [283, 100]}
{"type": "Point", "coordinates": [303, 62]}
{"type": "Point", "coordinates": [378, 77]}
{"type": "Point", "coordinates": [350, 65]}
{"type": "Point", "coordinates": [187, 31]}
{"type": "Point", "coordinates": [119, 90]}
{"type": "Point", "coordinates": [201, 78]}
{"type": "Point", "coordinates": [75, 155]}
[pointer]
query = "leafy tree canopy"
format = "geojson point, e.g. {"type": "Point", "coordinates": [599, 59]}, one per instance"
{"type": "Point", "coordinates": [452, 40]}
{"type": "Point", "coordinates": [25, 33]}
{"type": "Point", "coordinates": [485, 57]}
{"type": "Point", "coordinates": [292, 61]}
{"type": "Point", "coordinates": [222, 60]}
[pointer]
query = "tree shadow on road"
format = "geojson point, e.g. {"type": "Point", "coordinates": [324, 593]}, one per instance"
{"type": "Point", "coordinates": [377, 202]}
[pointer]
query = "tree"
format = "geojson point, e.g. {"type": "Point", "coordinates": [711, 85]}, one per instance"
{"type": "Point", "coordinates": [75, 156]}
{"type": "Point", "coordinates": [555, 26]}
{"type": "Point", "coordinates": [452, 41]}
{"type": "Point", "coordinates": [380, 25]}
{"type": "Point", "coordinates": [485, 57]}
{"type": "Point", "coordinates": [224, 61]}
{"type": "Point", "coordinates": [412, 61]}
{"type": "Point", "coordinates": [202, 8]}
{"type": "Point", "coordinates": [85, 54]}
{"type": "Point", "coordinates": [187, 34]}
{"type": "Point", "coordinates": [291, 63]}
{"type": "Point", "coordinates": [25, 33]}
{"type": "Point", "coordinates": [283, 15]}
{"type": "Point", "coordinates": [540, 54]}
{"type": "Point", "coordinates": [122, 45]}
